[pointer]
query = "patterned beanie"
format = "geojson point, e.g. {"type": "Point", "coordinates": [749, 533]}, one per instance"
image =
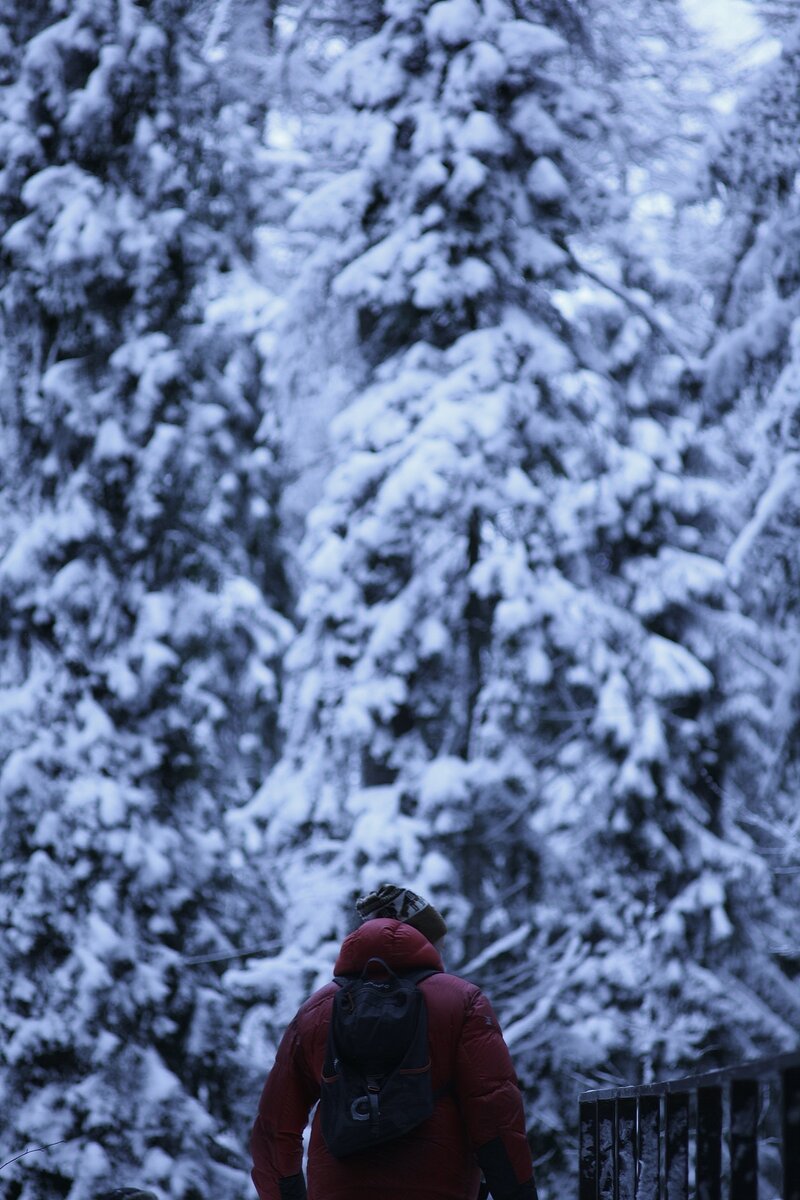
{"type": "Point", "coordinates": [401, 904]}
{"type": "Point", "coordinates": [125, 1193]}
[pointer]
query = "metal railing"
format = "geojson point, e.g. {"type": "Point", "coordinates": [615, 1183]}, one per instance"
{"type": "Point", "coordinates": [699, 1136]}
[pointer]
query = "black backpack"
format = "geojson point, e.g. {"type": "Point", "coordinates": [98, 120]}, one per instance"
{"type": "Point", "coordinates": [376, 1081]}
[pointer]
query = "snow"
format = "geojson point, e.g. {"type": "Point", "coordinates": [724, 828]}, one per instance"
{"type": "Point", "coordinates": [431, 288]}
{"type": "Point", "coordinates": [388, 630]}
{"type": "Point", "coordinates": [651, 742]}
{"type": "Point", "coordinates": [150, 43]}
{"type": "Point", "coordinates": [524, 43]}
{"type": "Point", "coordinates": [366, 275]}
{"type": "Point", "coordinates": [433, 637]}
{"type": "Point", "coordinates": [782, 485]}
{"type": "Point", "coordinates": [354, 76]}
{"type": "Point", "coordinates": [540, 254]}
{"type": "Point", "coordinates": [483, 65]}
{"type": "Point", "coordinates": [103, 793]}
{"type": "Point", "coordinates": [22, 700]}
{"type": "Point", "coordinates": [444, 781]}
{"type": "Point", "coordinates": [332, 207]}
{"type": "Point", "coordinates": [546, 183]}
{"type": "Point", "coordinates": [73, 523]}
{"type": "Point", "coordinates": [158, 1082]}
{"type": "Point", "coordinates": [496, 949]}
{"type": "Point", "coordinates": [382, 834]}
{"type": "Point", "coordinates": [156, 614]}
{"type": "Point", "coordinates": [676, 578]}
{"type": "Point", "coordinates": [538, 667]}
{"type": "Point", "coordinates": [421, 481]}
{"type": "Point", "coordinates": [475, 277]}
{"type": "Point", "coordinates": [614, 717]}
{"type": "Point", "coordinates": [482, 136]}
{"type": "Point", "coordinates": [539, 132]}
{"type": "Point", "coordinates": [733, 25]}
{"type": "Point", "coordinates": [469, 176]}
{"type": "Point", "coordinates": [518, 1030]}
{"type": "Point", "coordinates": [648, 435]}
{"type": "Point", "coordinates": [452, 22]}
{"type": "Point", "coordinates": [672, 670]}
{"type": "Point", "coordinates": [430, 174]}
{"type": "Point", "coordinates": [111, 443]}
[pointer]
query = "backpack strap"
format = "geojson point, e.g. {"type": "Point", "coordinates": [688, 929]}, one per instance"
{"type": "Point", "coordinates": [422, 973]}
{"type": "Point", "coordinates": [447, 1088]}
{"type": "Point", "coordinates": [415, 976]}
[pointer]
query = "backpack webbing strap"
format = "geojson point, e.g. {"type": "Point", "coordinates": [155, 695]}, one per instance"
{"type": "Point", "coordinates": [415, 976]}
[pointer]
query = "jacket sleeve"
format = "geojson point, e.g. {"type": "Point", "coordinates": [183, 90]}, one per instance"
{"type": "Point", "coordinates": [276, 1142]}
{"type": "Point", "coordinates": [491, 1104]}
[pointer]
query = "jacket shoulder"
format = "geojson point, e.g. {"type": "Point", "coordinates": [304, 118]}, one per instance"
{"type": "Point", "coordinates": [450, 993]}
{"type": "Point", "coordinates": [454, 984]}
{"type": "Point", "coordinates": [316, 1004]}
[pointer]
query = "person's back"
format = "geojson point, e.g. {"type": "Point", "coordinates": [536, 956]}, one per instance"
{"type": "Point", "coordinates": [477, 1121]}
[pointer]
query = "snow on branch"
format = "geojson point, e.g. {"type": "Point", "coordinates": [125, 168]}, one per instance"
{"type": "Point", "coordinates": [501, 946]}
{"type": "Point", "coordinates": [632, 302]}
{"type": "Point", "coordinates": [217, 26]}
{"type": "Point", "coordinates": [783, 481]}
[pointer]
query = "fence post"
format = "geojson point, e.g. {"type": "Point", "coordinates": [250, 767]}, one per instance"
{"type": "Point", "coordinates": [708, 1167]}
{"type": "Point", "coordinates": [790, 1105]}
{"type": "Point", "coordinates": [649, 1186]}
{"type": "Point", "coordinates": [587, 1178]}
{"type": "Point", "coordinates": [744, 1146]}
{"type": "Point", "coordinates": [606, 1151]}
{"type": "Point", "coordinates": [626, 1148]}
{"type": "Point", "coordinates": [677, 1146]}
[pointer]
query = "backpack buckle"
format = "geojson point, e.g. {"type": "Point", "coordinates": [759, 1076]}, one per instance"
{"type": "Point", "coordinates": [365, 1108]}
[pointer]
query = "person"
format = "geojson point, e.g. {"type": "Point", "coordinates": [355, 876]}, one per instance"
{"type": "Point", "coordinates": [477, 1127]}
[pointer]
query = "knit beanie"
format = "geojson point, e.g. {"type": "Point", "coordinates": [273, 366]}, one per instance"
{"type": "Point", "coordinates": [125, 1193]}
{"type": "Point", "coordinates": [401, 904]}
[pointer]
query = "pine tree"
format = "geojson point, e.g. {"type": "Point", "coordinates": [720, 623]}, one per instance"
{"type": "Point", "coordinates": [750, 404]}
{"type": "Point", "coordinates": [141, 579]}
{"type": "Point", "coordinates": [509, 688]}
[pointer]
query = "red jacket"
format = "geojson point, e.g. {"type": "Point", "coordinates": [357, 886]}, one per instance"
{"type": "Point", "coordinates": [478, 1121]}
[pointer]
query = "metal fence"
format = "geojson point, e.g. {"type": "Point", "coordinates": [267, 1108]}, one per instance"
{"type": "Point", "coordinates": [708, 1136]}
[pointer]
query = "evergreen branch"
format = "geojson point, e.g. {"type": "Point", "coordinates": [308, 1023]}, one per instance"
{"type": "Point", "coordinates": [200, 959]}
{"type": "Point", "coordinates": [32, 1150]}
{"type": "Point", "coordinates": [725, 293]}
{"type": "Point", "coordinates": [623, 294]}
{"type": "Point", "coordinates": [291, 45]}
{"type": "Point", "coordinates": [769, 504]}
{"type": "Point", "coordinates": [219, 20]}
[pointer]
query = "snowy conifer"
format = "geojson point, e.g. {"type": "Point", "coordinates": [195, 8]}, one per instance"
{"type": "Point", "coordinates": [507, 689]}
{"type": "Point", "coordinates": [751, 413]}
{"type": "Point", "coordinates": [139, 567]}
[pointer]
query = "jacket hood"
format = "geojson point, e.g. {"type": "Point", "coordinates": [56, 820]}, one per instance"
{"type": "Point", "coordinates": [401, 946]}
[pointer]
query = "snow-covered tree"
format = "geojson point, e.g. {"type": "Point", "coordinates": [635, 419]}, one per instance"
{"type": "Point", "coordinates": [141, 577]}
{"type": "Point", "coordinates": [751, 410]}
{"type": "Point", "coordinates": [508, 688]}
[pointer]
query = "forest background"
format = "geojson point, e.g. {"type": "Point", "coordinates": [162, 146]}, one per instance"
{"type": "Point", "coordinates": [400, 433]}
